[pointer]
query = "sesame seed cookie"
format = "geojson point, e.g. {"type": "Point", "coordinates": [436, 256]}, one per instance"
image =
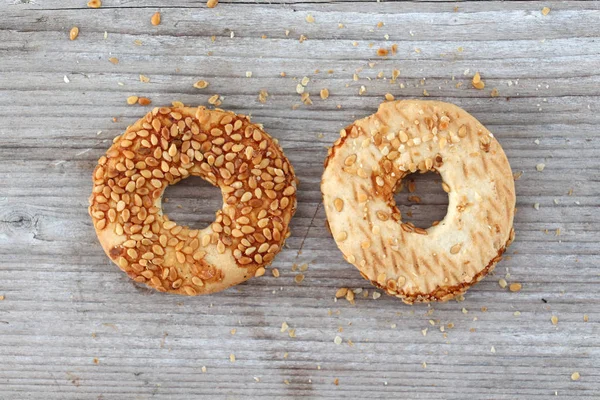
{"type": "Point", "coordinates": [167, 145]}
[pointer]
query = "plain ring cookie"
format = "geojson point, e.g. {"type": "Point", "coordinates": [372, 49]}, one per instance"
{"type": "Point", "coordinates": [366, 165]}
{"type": "Point", "coordinates": [167, 145]}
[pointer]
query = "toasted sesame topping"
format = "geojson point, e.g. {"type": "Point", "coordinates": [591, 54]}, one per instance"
{"type": "Point", "coordinates": [456, 248]}
{"type": "Point", "coordinates": [212, 3]}
{"type": "Point", "coordinates": [338, 204]}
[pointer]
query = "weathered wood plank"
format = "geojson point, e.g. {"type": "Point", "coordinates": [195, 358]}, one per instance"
{"type": "Point", "coordinates": [67, 305]}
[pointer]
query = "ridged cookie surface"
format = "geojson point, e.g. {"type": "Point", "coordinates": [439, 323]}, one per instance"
{"type": "Point", "coordinates": [367, 164]}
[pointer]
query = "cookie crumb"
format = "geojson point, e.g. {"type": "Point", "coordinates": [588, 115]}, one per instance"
{"type": "Point", "coordinates": [554, 320]}
{"type": "Point", "coordinates": [545, 11]}
{"type": "Point", "coordinates": [248, 74]}
{"type": "Point", "coordinates": [310, 19]}
{"type": "Point", "coordinates": [203, 369]}
{"type": "Point", "coordinates": [144, 79]}
{"type": "Point", "coordinates": [232, 357]}
{"type": "Point", "coordinates": [262, 96]}
{"type": "Point", "coordinates": [540, 167]}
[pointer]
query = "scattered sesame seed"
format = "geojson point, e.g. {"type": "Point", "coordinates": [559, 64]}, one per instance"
{"type": "Point", "coordinates": [376, 295]}
{"type": "Point", "coordinates": [337, 340]}
{"type": "Point", "coordinates": [493, 349]}
{"type": "Point", "coordinates": [94, 4]}
{"type": "Point", "coordinates": [324, 94]}
{"type": "Point", "coordinates": [212, 3]}
{"type": "Point", "coordinates": [575, 376]}
{"type": "Point", "coordinates": [477, 82]}
{"type": "Point", "coordinates": [554, 320]}
{"type": "Point", "coordinates": [73, 33]}
{"type": "Point", "coordinates": [132, 100]}
{"type": "Point", "coordinates": [232, 357]}
{"type": "Point", "coordinates": [144, 79]}
{"type": "Point", "coordinates": [310, 19]}
{"type": "Point", "coordinates": [201, 84]}
{"type": "Point", "coordinates": [502, 282]}
{"type": "Point", "coordinates": [540, 167]}
{"type": "Point", "coordinates": [248, 74]}
{"type": "Point", "coordinates": [536, 206]}
{"type": "Point", "coordinates": [515, 287]}
{"type": "Point", "coordinates": [113, 60]}
{"type": "Point", "coordinates": [545, 11]}
{"type": "Point", "coordinates": [155, 20]}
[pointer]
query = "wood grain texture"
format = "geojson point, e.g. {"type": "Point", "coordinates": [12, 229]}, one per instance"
{"type": "Point", "coordinates": [66, 305]}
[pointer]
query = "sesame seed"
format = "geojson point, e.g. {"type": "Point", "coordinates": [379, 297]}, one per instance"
{"type": "Point", "coordinates": [201, 84]}
{"type": "Point", "coordinates": [155, 20]}
{"type": "Point", "coordinates": [575, 376]}
{"type": "Point", "coordinates": [515, 287]}
{"type": "Point", "coordinates": [73, 33]}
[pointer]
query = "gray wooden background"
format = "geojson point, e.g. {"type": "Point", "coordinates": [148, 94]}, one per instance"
{"type": "Point", "coordinates": [72, 326]}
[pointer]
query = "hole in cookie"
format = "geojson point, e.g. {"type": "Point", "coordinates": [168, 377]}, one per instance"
{"type": "Point", "coordinates": [192, 202]}
{"type": "Point", "coordinates": [421, 199]}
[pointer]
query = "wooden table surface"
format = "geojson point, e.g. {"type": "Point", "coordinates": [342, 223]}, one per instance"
{"type": "Point", "coordinates": [73, 326]}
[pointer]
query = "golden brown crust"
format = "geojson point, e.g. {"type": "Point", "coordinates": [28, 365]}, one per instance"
{"type": "Point", "coordinates": [170, 144]}
{"type": "Point", "coordinates": [367, 164]}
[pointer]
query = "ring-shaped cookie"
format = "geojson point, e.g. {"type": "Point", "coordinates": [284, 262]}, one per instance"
{"type": "Point", "coordinates": [366, 165]}
{"type": "Point", "coordinates": [169, 144]}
